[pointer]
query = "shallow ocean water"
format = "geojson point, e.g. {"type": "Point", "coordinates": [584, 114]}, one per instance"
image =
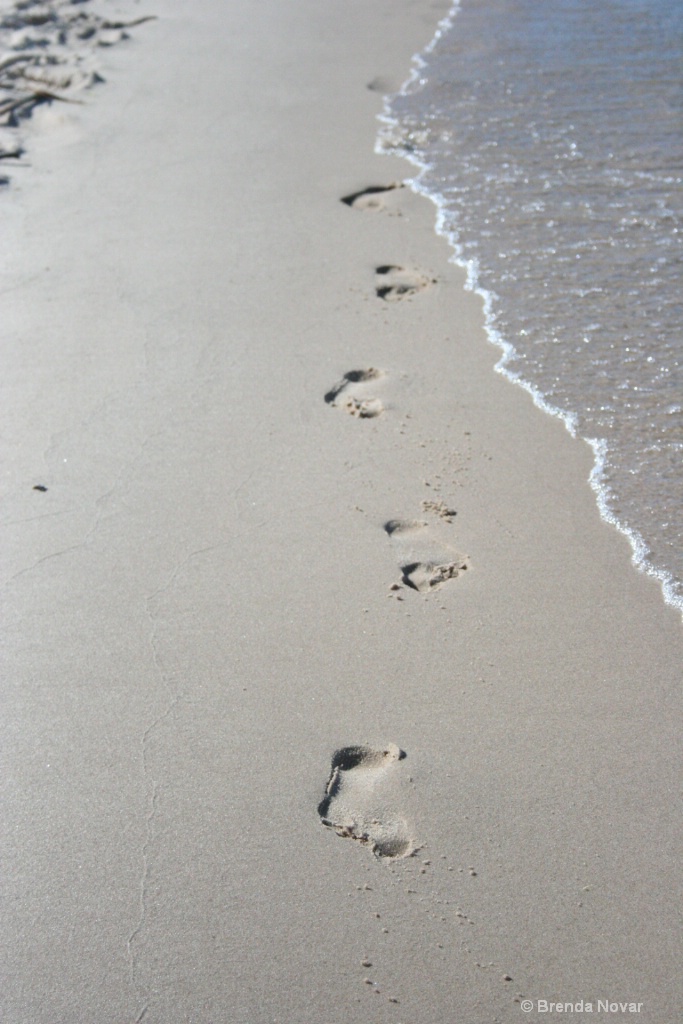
{"type": "Point", "coordinates": [550, 135]}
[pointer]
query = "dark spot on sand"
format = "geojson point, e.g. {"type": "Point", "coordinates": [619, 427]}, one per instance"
{"type": "Point", "coordinates": [360, 199]}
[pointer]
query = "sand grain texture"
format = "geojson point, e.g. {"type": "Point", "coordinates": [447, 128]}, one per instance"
{"type": "Point", "coordinates": [203, 603]}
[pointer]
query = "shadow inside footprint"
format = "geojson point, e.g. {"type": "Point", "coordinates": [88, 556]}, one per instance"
{"type": "Point", "coordinates": [353, 396]}
{"type": "Point", "coordinates": [393, 283]}
{"type": "Point", "coordinates": [425, 562]}
{"type": "Point", "coordinates": [350, 802]}
{"type": "Point", "coordinates": [369, 198]}
{"type": "Point", "coordinates": [380, 83]}
{"type": "Point", "coordinates": [425, 576]}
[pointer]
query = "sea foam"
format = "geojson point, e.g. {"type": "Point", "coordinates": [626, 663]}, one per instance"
{"type": "Point", "coordinates": [431, 123]}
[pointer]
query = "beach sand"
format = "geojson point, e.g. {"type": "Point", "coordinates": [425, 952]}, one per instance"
{"type": "Point", "coordinates": [328, 695]}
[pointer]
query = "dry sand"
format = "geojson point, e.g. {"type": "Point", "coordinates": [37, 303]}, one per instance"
{"type": "Point", "coordinates": [295, 528]}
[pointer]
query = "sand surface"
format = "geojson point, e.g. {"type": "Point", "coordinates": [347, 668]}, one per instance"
{"type": "Point", "coordinates": [309, 588]}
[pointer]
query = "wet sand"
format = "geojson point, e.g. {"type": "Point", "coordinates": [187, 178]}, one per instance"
{"type": "Point", "coordinates": [328, 695]}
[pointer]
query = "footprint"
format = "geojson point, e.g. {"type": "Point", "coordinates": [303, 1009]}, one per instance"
{"type": "Point", "coordinates": [381, 83]}
{"type": "Point", "coordinates": [369, 198]}
{"type": "Point", "coordinates": [393, 283]}
{"type": "Point", "coordinates": [353, 394]}
{"type": "Point", "coordinates": [352, 808]}
{"type": "Point", "coordinates": [439, 508]}
{"type": "Point", "coordinates": [425, 561]}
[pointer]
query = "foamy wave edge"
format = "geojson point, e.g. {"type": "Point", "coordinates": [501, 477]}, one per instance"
{"type": "Point", "coordinates": [596, 478]}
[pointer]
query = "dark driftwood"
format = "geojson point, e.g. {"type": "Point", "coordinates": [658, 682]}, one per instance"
{"type": "Point", "coordinates": [39, 96]}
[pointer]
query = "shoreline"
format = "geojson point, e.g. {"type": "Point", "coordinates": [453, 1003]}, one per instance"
{"type": "Point", "coordinates": [225, 621]}
{"type": "Point", "coordinates": [389, 141]}
{"type": "Point", "coordinates": [640, 551]}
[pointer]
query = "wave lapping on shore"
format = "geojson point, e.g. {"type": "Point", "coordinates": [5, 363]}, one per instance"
{"type": "Point", "coordinates": [549, 137]}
